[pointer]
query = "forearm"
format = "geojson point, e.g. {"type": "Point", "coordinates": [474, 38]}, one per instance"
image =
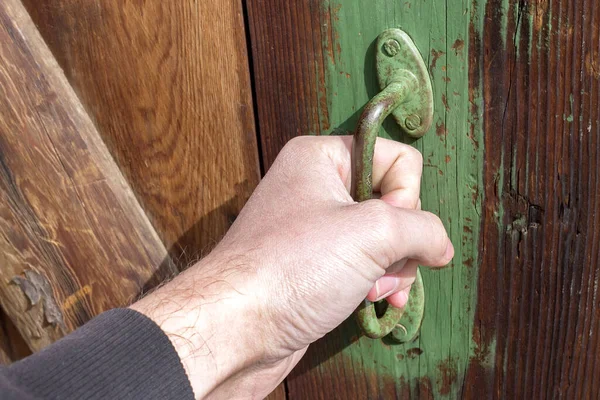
{"type": "Point", "coordinates": [195, 337]}
{"type": "Point", "coordinates": [212, 325]}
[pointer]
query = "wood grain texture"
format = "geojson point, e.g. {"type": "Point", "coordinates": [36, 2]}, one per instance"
{"type": "Point", "coordinates": [167, 84]}
{"type": "Point", "coordinates": [538, 324]}
{"type": "Point", "coordinates": [289, 70]}
{"type": "Point", "coordinates": [168, 87]}
{"type": "Point", "coordinates": [73, 239]}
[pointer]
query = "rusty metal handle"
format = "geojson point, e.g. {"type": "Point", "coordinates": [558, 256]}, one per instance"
{"type": "Point", "coordinates": [363, 149]}
{"type": "Point", "coordinates": [406, 94]}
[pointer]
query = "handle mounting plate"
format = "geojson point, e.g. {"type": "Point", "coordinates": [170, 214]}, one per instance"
{"type": "Point", "coordinates": [397, 55]}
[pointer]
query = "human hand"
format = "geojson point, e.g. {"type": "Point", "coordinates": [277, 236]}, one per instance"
{"type": "Point", "coordinates": [299, 259]}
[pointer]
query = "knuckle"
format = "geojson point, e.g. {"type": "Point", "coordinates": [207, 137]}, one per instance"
{"type": "Point", "coordinates": [380, 215]}
{"type": "Point", "coordinates": [296, 143]}
{"type": "Point", "coordinates": [303, 147]}
{"type": "Point", "coordinates": [295, 151]}
{"type": "Point", "coordinates": [414, 155]}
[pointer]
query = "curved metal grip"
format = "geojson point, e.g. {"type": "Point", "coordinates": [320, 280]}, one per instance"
{"type": "Point", "coordinates": [363, 149]}
{"type": "Point", "coordinates": [369, 123]}
{"type": "Point", "coordinates": [406, 90]}
{"type": "Point", "coordinates": [402, 324]}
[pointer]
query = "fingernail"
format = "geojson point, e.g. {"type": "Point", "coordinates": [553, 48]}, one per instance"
{"type": "Point", "coordinates": [403, 299]}
{"type": "Point", "coordinates": [385, 287]}
{"type": "Point", "coordinates": [449, 253]}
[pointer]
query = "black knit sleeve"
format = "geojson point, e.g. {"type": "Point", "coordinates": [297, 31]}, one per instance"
{"type": "Point", "coordinates": [121, 354]}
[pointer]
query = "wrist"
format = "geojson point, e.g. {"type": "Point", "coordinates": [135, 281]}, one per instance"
{"type": "Point", "coordinates": [218, 328]}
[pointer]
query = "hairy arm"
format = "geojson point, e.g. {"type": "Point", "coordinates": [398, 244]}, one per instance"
{"type": "Point", "coordinates": [242, 317]}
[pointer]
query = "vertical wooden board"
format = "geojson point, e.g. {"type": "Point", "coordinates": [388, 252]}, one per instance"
{"type": "Point", "coordinates": [289, 71]}
{"type": "Point", "coordinates": [167, 84]}
{"type": "Point", "coordinates": [537, 317]}
{"type": "Point", "coordinates": [345, 365]}
{"type": "Point", "coordinates": [73, 239]}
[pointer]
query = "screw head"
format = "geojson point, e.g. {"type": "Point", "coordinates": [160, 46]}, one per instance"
{"type": "Point", "coordinates": [413, 122]}
{"type": "Point", "coordinates": [391, 47]}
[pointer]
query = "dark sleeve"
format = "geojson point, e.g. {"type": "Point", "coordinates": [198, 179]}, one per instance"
{"type": "Point", "coordinates": [120, 354]}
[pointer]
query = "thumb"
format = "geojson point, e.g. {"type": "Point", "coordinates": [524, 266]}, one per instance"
{"type": "Point", "coordinates": [397, 234]}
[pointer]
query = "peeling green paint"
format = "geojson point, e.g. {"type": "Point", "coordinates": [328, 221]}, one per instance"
{"type": "Point", "coordinates": [452, 177]}
{"type": "Point", "coordinates": [502, 13]}
{"type": "Point", "coordinates": [570, 118]}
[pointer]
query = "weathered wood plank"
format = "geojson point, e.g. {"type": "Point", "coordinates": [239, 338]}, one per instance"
{"type": "Point", "coordinates": [289, 70]}
{"type": "Point", "coordinates": [167, 84]}
{"type": "Point", "coordinates": [537, 317]}
{"type": "Point", "coordinates": [73, 239]}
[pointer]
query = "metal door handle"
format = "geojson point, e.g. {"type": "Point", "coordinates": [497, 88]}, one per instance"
{"type": "Point", "coordinates": [407, 94]}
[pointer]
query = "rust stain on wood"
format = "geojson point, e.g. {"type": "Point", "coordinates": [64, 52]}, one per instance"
{"type": "Point", "coordinates": [414, 352]}
{"type": "Point", "coordinates": [440, 129]}
{"type": "Point", "coordinates": [447, 376]}
{"type": "Point", "coordinates": [458, 47]}
{"type": "Point", "coordinates": [435, 56]}
{"type": "Point", "coordinates": [425, 389]}
{"type": "Point", "coordinates": [445, 102]}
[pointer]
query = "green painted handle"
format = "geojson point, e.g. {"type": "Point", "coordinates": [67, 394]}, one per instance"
{"type": "Point", "coordinates": [407, 94]}
{"type": "Point", "coordinates": [401, 324]}
{"type": "Point", "coordinates": [363, 149]}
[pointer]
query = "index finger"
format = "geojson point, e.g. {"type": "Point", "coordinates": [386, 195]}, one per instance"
{"type": "Point", "coordinates": [397, 170]}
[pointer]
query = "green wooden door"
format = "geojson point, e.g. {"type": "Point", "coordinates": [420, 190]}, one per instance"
{"type": "Point", "coordinates": [510, 166]}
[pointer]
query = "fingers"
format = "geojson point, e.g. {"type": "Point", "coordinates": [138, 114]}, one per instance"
{"type": "Point", "coordinates": [397, 170]}
{"type": "Point", "coordinates": [394, 282]}
{"type": "Point", "coordinates": [397, 167]}
{"type": "Point", "coordinates": [421, 236]}
{"type": "Point", "coordinates": [399, 299]}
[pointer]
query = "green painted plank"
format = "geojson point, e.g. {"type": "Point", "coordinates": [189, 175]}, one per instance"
{"type": "Point", "coordinates": [453, 155]}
